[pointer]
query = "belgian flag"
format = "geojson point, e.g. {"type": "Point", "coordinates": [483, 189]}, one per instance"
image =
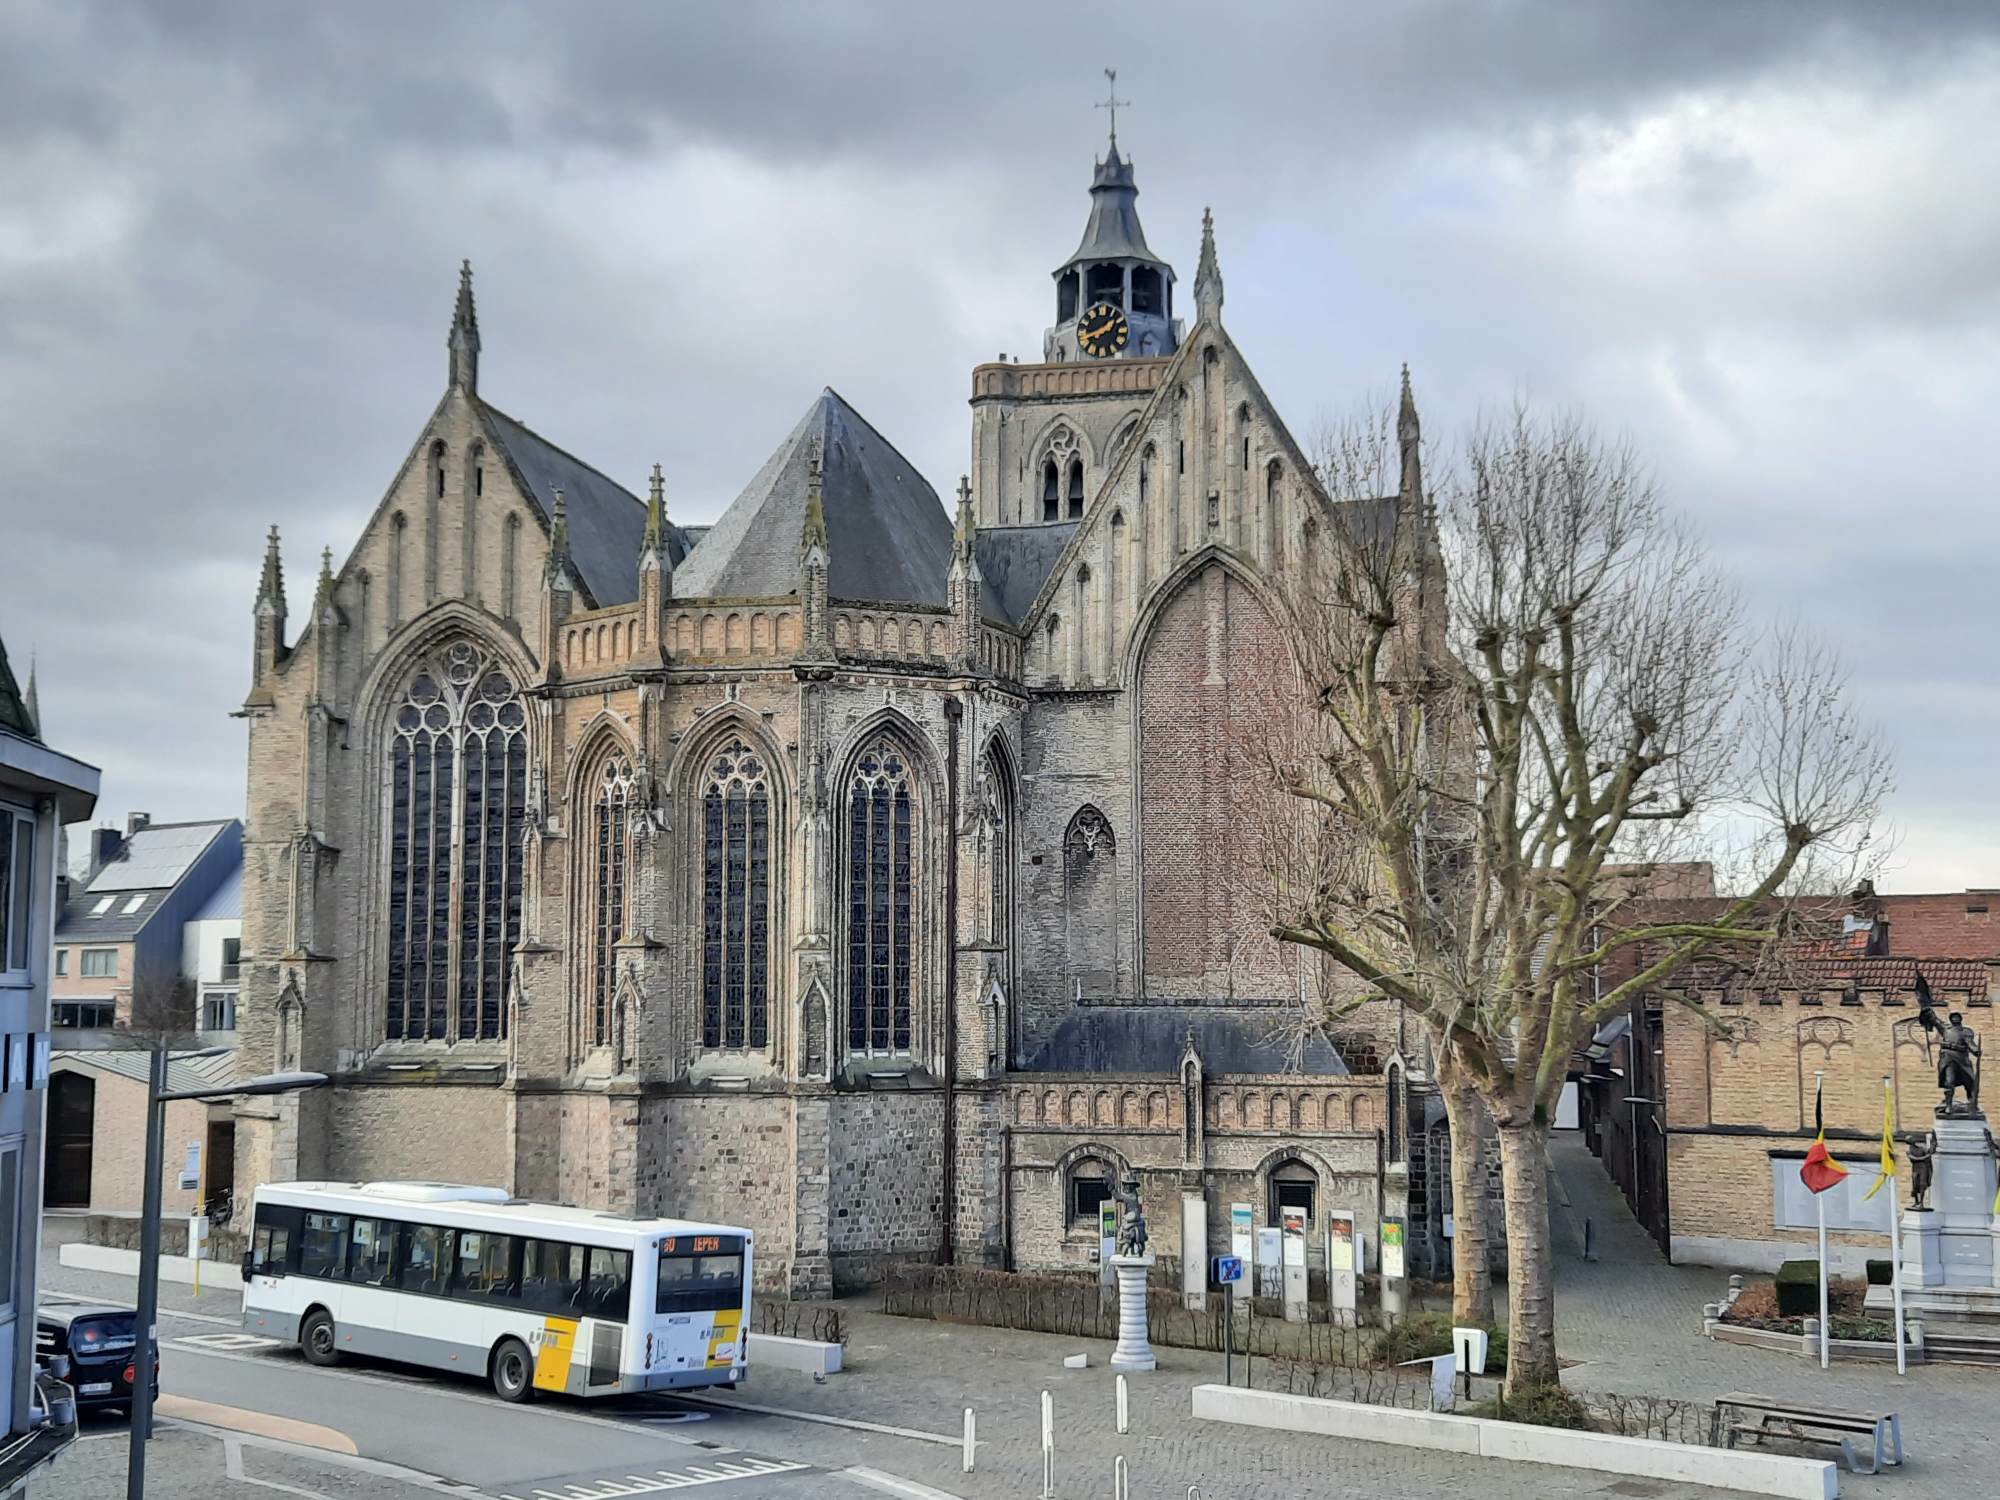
{"type": "Point", "coordinates": [1820, 1171]}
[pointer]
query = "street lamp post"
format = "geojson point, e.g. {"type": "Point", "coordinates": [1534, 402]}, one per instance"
{"type": "Point", "coordinates": [157, 1097]}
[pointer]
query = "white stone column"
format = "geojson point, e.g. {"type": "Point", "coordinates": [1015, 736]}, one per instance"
{"type": "Point", "coordinates": [1134, 1350]}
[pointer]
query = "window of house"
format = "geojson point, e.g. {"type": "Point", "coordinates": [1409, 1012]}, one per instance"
{"type": "Point", "coordinates": [134, 903]}
{"type": "Point", "coordinates": [100, 963]}
{"type": "Point", "coordinates": [457, 811]}
{"type": "Point", "coordinates": [83, 1013]}
{"type": "Point", "coordinates": [218, 1011]}
{"type": "Point", "coordinates": [1293, 1185]}
{"type": "Point", "coordinates": [101, 906]}
{"type": "Point", "coordinates": [1089, 1191]}
{"type": "Point", "coordinates": [609, 847]}
{"type": "Point", "coordinates": [62, 961]}
{"type": "Point", "coordinates": [232, 958]}
{"type": "Point", "coordinates": [17, 883]}
{"type": "Point", "coordinates": [736, 900]}
{"type": "Point", "coordinates": [880, 816]}
{"type": "Point", "coordinates": [10, 1206]}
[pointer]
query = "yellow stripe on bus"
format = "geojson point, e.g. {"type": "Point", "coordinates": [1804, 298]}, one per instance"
{"type": "Point", "coordinates": [722, 1346]}
{"type": "Point", "coordinates": [552, 1360]}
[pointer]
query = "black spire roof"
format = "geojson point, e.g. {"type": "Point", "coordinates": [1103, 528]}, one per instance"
{"type": "Point", "coordinates": [1113, 230]}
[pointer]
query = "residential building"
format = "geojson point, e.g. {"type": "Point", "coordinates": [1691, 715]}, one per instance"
{"type": "Point", "coordinates": [41, 792]}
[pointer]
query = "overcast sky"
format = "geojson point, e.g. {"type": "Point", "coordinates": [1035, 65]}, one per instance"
{"type": "Point", "coordinates": [1761, 239]}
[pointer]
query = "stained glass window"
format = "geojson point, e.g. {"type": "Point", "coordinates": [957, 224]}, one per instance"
{"type": "Point", "coordinates": [736, 900]}
{"type": "Point", "coordinates": [458, 762]}
{"type": "Point", "coordinates": [880, 914]}
{"type": "Point", "coordinates": [609, 847]}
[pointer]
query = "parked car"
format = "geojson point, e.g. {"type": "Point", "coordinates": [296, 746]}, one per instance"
{"type": "Point", "coordinates": [100, 1340]}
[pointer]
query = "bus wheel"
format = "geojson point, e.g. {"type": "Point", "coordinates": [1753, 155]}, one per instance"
{"type": "Point", "coordinates": [513, 1371]}
{"type": "Point", "coordinates": [316, 1338]}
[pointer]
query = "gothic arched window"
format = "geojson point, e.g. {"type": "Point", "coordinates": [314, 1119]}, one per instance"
{"type": "Point", "coordinates": [880, 916]}
{"type": "Point", "coordinates": [458, 757]}
{"type": "Point", "coordinates": [1051, 502]}
{"type": "Point", "coordinates": [736, 900]}
{"type": "Point", "coordinates": [1075, 488]}
{"type": "Point", "coordinates": [608, 850]}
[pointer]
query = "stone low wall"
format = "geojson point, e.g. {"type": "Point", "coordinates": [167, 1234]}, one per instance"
{"type": "Point", "coordinates": [1645, 1458]}
{"type": "Point", "coordinates": [122, 1232]}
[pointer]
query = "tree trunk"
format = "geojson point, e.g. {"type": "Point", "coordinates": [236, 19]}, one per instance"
{"type": "Point", "coordinates": [1471, 1204]}
{"type": "Point", "coordinates": [1531, 1301]}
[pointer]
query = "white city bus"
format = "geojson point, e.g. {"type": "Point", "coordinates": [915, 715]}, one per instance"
{"type": "Point", "coordinates": [529, 1296]}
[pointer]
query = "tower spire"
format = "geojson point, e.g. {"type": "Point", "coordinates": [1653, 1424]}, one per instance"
{"type": "Point", "coordinates": [34, 698]}
{"type": "Point", "coordinates": [814, 536]}
{"type": "Point", "coordinates": [323, 595]}
{"type": "Point", "coordinates": [815, 559]}
{"type": "Point", "coordinates": [269, 613]}
{"type": "Point", "coordinates": [656, 516]}
{"type": "Point", "coordinates": [1409, 440]}
{"type": "Point", "coordinates": [463, 341]}
{"type": "Point", "coordinates": [1208, 274]}
{"type": "Point", "coordinates": [558, 569]}
{"type": "Point", "coordinates": [271, 587]}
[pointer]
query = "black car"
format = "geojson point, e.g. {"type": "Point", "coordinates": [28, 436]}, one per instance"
{"type": "Point", "coordinates": [101, 1341]}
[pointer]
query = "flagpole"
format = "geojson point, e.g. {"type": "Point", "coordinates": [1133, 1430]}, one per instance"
{"type": "Point", "coordinates": [1819, 1203]}
{"type": "Point", "coordinates": [1896, 1246]}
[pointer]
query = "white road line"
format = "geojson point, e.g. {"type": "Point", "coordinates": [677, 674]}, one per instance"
{"type": "Point", "coordinates": [165, 1312]}
{"type": "Point", "coordinates": [953, 1440]}
{"type": "Point", "coordinates": [892, 1484]}
{"type": "Point", "coordinates": [661, 1480]}
{"type": "Point", "coordinates": [382, 1468]}
{"type": "Point", "coordinates": [232, 1467]}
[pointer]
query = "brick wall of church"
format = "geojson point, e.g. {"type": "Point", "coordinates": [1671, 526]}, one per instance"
{"type": "Point", "coordinates": [886, 1175]}
{"type": "Point", "coordinates": [722, 1158]}
{"type": "Point", "coordinates": [1212, 649]}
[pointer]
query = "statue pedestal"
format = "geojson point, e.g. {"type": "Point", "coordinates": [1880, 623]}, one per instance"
{"type": "Point", "coordinates": [1962, 1194]}
{"type": "Point", "coordinates": [1922, 1265]}
{"type": "Point", "coordinates": [1134, 1350]}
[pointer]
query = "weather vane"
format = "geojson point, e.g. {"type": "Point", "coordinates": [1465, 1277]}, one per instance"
{"type": "Point", "coordinates": [1111, 74]}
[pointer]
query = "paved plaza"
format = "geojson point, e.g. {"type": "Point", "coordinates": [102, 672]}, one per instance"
{"type": "Point", "coordinates": [1631, 1325]}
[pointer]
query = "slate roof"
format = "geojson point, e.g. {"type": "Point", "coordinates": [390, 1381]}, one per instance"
{"type": "Point", "coordinates": [135, 1063]}
{"type": "Point", "coordinates": [1015, 561]}
{"type": "Point", "coordinates": [148, 867]}
{"type": "Point", "coordinates": [1150, 1039]}
{"type": "Point", "coordinates": [606, 520]}
{"type": "Point", "coordinates": [1113, 229]}
{"type": "Point", "coordinates": [890, 537]}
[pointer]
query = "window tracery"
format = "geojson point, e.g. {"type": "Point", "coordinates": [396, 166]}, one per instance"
{"type": "Point", "coordinates": [457, 809]}
{"type": "Point", "coordinates": [880, 905]}
{"type": "Point", "coordinates": [610, 858]}
{"type": "Point", "coordinates": [736, 899]}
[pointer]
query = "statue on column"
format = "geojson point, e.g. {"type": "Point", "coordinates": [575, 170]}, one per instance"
{"type": "Point", "coordinates": [1958, 1062]}
{"type": "Point", "coordinates": [1131, 1220]}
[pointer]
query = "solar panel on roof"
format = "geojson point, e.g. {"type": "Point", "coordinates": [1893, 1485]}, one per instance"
{"type": "Point", "coordinates": [155, 859]}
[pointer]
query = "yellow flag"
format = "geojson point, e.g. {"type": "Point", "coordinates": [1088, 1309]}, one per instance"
{"type": "Point", "coordinates": [1888, 1143]}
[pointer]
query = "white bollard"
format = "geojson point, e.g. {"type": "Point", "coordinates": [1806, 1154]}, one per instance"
{"type": "Point", "coordinates": [970, 1441]}
{"type": "Point", "coordinates": [1048, 1448]}
{"type": "Point", "coordinates": [1121, 1482]}
{"type": "Point", "coordinates": [1124, 1409]}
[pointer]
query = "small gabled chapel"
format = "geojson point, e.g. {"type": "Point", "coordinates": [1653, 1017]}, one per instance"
{"type": "Point", "coordinates": [860, 868]}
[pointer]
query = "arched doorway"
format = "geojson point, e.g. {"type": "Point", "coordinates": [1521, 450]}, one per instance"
{"type": "Point", "coordinates": [72, 1124]}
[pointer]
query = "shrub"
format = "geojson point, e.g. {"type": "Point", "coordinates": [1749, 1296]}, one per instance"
{"type": "Point", "coordinates": [1798, 1289]}
{"type": "Point", "coordinates": [1538, 1406]}
{"type": "Point", "coordinates": [1429, 1334]}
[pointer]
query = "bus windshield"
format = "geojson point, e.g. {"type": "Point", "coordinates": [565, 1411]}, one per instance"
{"type": "Point", "coordinates": [700, 1280]}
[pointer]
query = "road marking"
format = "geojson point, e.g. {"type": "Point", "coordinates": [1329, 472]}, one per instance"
{"type": "Point", "coordinates": [661, 1480]}
{"type": "Point", "coordinates": [165, 1312]}
{"type": "Point", "coordinates": [232, 1341]}
{"type": "Point", "coordinates": [416, 1478]}
{"type": "Point", "coordinates": [263, 1424]}
{"type": "Point", "coordinates": [443, 1391]}
{"type": "Point", "coordinates": [893, 1484]}
{"type": "Point", "coordinates": [953, 1440]}
{"type": "Point", "coordinates": [232, 1466]}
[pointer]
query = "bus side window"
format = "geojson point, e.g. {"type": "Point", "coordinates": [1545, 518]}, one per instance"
{"type": "Point", "coordinates": [322, 1245]}
{"type": "Point", "coordinates": [552, 1277]}
{"type": "Point", "coordinates": [484, 1266]}
{"type": "Point", "coordinates": [610, 1290]}
{"type": "Point", "coordinates": [368, 1252]}
{"type": "Point", "coordinates": [272, 1243]}
{"type": "Point", "coordinates": [423, 1265]}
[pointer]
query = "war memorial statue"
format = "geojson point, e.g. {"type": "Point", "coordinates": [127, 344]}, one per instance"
{"type": "Point", "coordinates": [1958, 1062]}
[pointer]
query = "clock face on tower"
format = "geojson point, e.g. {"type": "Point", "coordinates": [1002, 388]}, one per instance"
{"type": "Point", "coordinates": [1102, 331]}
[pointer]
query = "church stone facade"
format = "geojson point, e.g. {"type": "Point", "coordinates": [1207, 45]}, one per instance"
{"type": "Point", "coordinates": [856, 869]}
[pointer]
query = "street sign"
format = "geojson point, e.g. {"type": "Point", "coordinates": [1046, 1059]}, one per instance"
{"type": "Point", "coordinates": [1228, 1270]}
{"type": "Point", "coordinates": [191, 1168]}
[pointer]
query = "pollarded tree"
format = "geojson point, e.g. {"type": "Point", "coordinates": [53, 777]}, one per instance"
{"type": "Point", "coordinates": [1523, 702]}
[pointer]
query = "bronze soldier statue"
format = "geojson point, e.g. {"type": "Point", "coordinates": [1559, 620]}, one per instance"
{"type": "Point", "coordinates": [1958, 1061]}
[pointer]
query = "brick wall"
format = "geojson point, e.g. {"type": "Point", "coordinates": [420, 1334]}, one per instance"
{"type": "Point", "coordinates": [118, 1144]}
{"type": "Point", "coordinates": [727, 1159]}
{"type": "Point", "coordinates": [1204, 931]}
{"type": "Point", "coordinates": [432, 1132]}
{"type": "Point", "coordinates": [886, 1175]}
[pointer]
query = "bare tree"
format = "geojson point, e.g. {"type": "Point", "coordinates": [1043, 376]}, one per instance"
{"type": "Point", "coordinates": [163, 1011]}
{"type": "Point", "coordinates": [1523, 704]}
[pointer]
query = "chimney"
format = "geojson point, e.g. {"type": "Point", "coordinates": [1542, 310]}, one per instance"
{"type": "Point", "coordinates": [104, 846]}
{"type": "Point", "coordinates": [135, 821]}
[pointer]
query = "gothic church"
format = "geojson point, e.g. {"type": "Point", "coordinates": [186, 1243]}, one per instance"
{"type": "Point", "coordinates": [852, 868]}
